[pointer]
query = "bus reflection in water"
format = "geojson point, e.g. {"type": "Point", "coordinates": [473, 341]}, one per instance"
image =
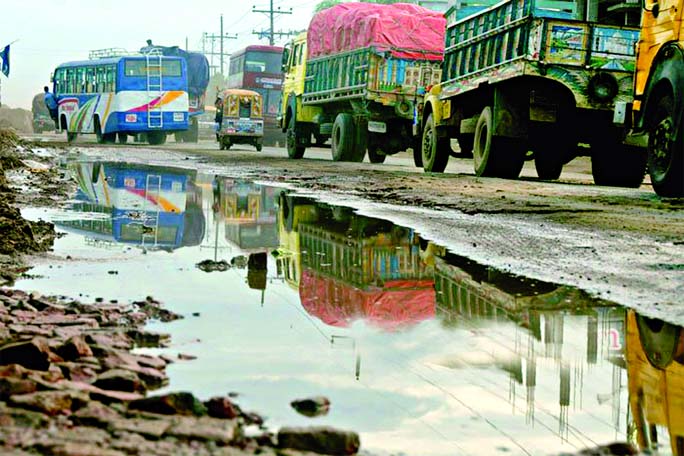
{"type": "Point", "coordinates": [152, 207]}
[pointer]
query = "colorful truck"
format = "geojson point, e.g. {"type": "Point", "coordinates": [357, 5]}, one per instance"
{"type": "Point", "coordinates": [534, 79]}
{"type": "Point", "coordinates": [355, 76]}
{"type": "Point", "coordinates": [658, 99]}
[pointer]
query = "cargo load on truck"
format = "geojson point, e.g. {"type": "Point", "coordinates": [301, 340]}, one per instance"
{"type": "Point", "coordinates": [355, 75]}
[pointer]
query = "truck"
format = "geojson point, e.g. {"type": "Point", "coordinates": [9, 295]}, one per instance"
{"type": "Point", "coordinates": [354, 78]}
{"type": "Point", "coordinates": [656, 112]}
{"type": "Point", "coordinates": [535, 79]}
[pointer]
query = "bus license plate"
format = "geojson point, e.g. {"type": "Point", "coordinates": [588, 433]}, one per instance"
{"type": "Point", "coordinates": [131, 118]}
{"type": "Point", "coordinates": [178, 117]}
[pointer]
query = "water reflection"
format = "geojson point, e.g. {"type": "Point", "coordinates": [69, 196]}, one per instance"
{"type": "Point", "coordinates": [155, 208]}
{"type": "Point", "coordinates": [477, 357]}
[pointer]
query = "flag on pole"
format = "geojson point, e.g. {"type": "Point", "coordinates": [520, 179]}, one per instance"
{"type": "Point", "coordinates": [5, 56]}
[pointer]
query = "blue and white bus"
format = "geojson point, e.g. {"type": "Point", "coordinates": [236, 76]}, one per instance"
{"type": "Point", "coordinates": [122, 96]}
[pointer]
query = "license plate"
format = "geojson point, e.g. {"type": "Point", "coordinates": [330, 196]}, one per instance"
{"type": "Point", "coordinates": [178, 117]}
{"type": "Point", "coordinates": [131, 118]}
{"type": "Point", "coordinates": [377, 127]}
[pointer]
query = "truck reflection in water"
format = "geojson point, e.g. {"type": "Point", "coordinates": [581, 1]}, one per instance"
{"type": "Point", "coordinates": [348, 267]}
{"type": "Point", "coordinates": [153, 207]}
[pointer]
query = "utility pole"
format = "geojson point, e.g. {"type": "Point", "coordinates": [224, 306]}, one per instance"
{"type": "Point", "coordinates": [271, 33]}
{"type": "Point", "coordinates": [220, 37]}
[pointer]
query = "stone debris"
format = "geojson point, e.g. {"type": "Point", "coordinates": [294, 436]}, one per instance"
{"type": "Point", "coordinates": [213, 266]}
{"type": "Point", "coordinates": [319, 439]}
{"type": "Point", "coordinates": [311, 407]}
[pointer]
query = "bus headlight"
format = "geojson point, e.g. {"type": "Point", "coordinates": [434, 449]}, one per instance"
{"type": "Point", "coordinates": [603, 87]}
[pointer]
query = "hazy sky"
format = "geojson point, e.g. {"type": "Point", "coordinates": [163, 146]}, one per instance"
{"type": "Point", "coordinates": [54, 31]}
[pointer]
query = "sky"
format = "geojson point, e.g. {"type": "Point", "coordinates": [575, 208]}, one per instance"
{"type": "Point", "coordinates": [49, 32]}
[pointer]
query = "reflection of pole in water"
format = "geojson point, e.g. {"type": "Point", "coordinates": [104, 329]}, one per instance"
{"type": "Point", "coordinates": [564, 401]}
{"type": "Point", "coordinates": [530, 379]}
{"type": "Point", "coordinates": [592, 339]}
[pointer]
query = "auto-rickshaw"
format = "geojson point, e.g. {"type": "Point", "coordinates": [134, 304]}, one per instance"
{"type": "Point", "coordinates": [243, 119]}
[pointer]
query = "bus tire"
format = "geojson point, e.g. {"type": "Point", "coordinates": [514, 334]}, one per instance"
{"type": "Point", "coordinates": [98, 131]}
{"type": "Point", "coordinates": [156, 138]}
{"type": "Point", "coordinates": [71, 137]}
{"type": "Point", "coordinates": [434, 150]}
{"type": "Point", "coordinates": [616, 165]}
{"type": "Point", "coordinates": [122, 137]}
{"type": "Point", "coordinates": [665, 150]}
{"type": "Point", "coordinates": [343, 137]}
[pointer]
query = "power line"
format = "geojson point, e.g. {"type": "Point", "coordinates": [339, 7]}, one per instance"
{"type": "Point", "coordinates": [212, 37]}
{"type": "Point", "coordinates": [271, 13]}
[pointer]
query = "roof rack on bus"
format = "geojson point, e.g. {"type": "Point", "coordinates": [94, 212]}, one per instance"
{"type": "Point", "coordinates": [107, 53]}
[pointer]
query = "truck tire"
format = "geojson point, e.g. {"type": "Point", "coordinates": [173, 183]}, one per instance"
{"type": "Point", "coordinates": [666, 150]}
{"type": "Point", "coordinates": [360, 140]}
{"type": "Point", "coordinates": [434, 150]}
{"type": "Point", "coordinates": [294, 150]}
{"type": "Point", "coordinates": [616, 165]}
{"type": "Point", "coordinates": [495, 156]}
{"type": "Point", "coordinates": [375, 154]}
{"type": "Point", "coordinates": [548, 166]}
{"type": "Point", "coordinates": [343, 137]}
{"type": "Point", "coordinates": [192, 134]}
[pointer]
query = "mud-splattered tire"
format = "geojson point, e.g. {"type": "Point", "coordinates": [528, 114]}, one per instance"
{"type": "Point", "coordinates": [495, 156]}
{"type": "Point", "coordinates": [343, 137]}
{"type": "Point", "coordinates": [434, 150]}
{"type": "Point", "coordinates": [666, 150]}
{"type": "Point", "coordinates": [294, 150]}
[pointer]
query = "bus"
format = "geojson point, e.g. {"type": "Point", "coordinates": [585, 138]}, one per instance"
{"type": "Point", "coordinates": [152, 207]}
{"type": "Point", "coordinates": [258, 68]}
{"type": "Point", "coordinates": [120, 96]}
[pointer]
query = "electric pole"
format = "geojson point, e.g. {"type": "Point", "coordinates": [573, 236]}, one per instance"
{"type": "Point", "coordinates": [220, 37]}
{"type": "Point", "coordinates": [271, 33]}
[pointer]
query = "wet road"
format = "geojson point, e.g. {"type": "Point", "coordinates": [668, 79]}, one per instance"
{"type": "Point", "coordinates": [420, 348]}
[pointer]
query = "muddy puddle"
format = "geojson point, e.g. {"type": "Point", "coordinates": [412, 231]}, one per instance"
{"type": "Point", "coordinates": [422, 351]}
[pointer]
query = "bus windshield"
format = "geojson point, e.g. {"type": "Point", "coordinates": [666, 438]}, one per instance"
{"type": "Point", "coordinates": [262, 62]}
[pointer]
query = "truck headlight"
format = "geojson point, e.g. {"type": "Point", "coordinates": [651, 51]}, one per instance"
{"type": "Point", "coordinates": [603, 87]}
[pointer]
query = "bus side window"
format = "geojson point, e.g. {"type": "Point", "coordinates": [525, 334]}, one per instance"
{"type": "Point", "coordinates": [59, 87]}
{"type": "Point", "coordinates": [90, 80]}
{"type": "Point", "coordinates": [69, 80]}
{"type": "Point", "coordinates": [99, 79]}
{"type": "Point", "coordinates": [111, 78]}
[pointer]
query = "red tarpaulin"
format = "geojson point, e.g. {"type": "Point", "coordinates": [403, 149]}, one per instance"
{"type": "Point", "coordinates": [409, 31]}
{"type": "Point", "coordinates": [398, 304]}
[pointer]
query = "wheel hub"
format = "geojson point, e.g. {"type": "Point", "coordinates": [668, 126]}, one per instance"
{"type": "Point", "coordinates": [662, 142]}
{"type": "Point", "coordinates": [427, 144]}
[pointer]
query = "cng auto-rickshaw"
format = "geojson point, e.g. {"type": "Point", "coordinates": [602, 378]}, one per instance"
{"type": "Point", "coordinates": [243, 119]}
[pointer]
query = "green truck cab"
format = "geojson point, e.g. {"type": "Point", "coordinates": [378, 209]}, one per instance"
{"type": "Point", "coordinates": [534, 79]}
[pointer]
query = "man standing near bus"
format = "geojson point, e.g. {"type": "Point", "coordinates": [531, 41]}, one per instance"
{"type": "Point", "coordinates": [51, 104]}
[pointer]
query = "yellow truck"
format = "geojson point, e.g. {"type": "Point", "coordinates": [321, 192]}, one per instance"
{"type": "Point", "coordinates": [659, 96]}
{"type": "Point", "coordinates": [355, 76]}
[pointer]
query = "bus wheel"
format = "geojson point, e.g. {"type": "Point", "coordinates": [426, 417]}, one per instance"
{"type": "Point", "coordinates": [495, 156]}
{"type": "Point", "coordinates": [434, 150]}
{"type": "Point", "coordinates": [659, 340]}
{"type": "Point", "coordinates": [617, 165]}
{"type": "Point", "coordinates": [343, 137]}
{"type": "Point", "coordinates": [122, 137]}
{"type": "Point", "coordinates": [71, 137]}
{"type": "Point", "coordinates": [376, 155]}
{"type": "Point", "coordinates": [98, 131]}
{"type": "Point", "coordinates": [294, 150]}
{"type": "Point", "coordinates": [665, 155]}
{"type": "Point", "coordinates": [156, 138]}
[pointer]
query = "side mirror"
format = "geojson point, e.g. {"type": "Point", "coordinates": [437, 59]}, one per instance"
{"type": "Point", "coordinates": [655, 9]}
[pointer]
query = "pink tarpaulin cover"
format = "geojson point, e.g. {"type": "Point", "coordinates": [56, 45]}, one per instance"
{"type": "Point", "coordinates": [398, 304]}
{"type": "Point", "coordinates": [408, 31]}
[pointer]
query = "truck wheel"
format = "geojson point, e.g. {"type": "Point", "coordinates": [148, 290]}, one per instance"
{"type": "Point", "coordinates": [258, 146]}
{"type": "Point", "coordinates": [494, 156]}
{"type": "Point", "coordinates": [434, 150]}
{"type": "Point", "coordinates": [358, 152]}
{"type": "Point", "coordinates": [122, 137]}
{"type": "Point", "coordinates": [417, 152]}
{"type": "Point", "coordinates": [617, 165]}
{"type": "Point", "coordinates": [548, 166]}
{"type": "Point", "coordinates": [156, 138]}
{"type": "Point", "coordinates": [375, 154]}
{"type": "Point", "coordinates": [665, 151]}
{"type": "Point", "coordinates": [294, 150]}
{"type": "Point", "coordinates": [343, 137]}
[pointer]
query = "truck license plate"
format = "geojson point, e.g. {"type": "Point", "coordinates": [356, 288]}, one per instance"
{"type": "Point", "coordinates": [377, 127]}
